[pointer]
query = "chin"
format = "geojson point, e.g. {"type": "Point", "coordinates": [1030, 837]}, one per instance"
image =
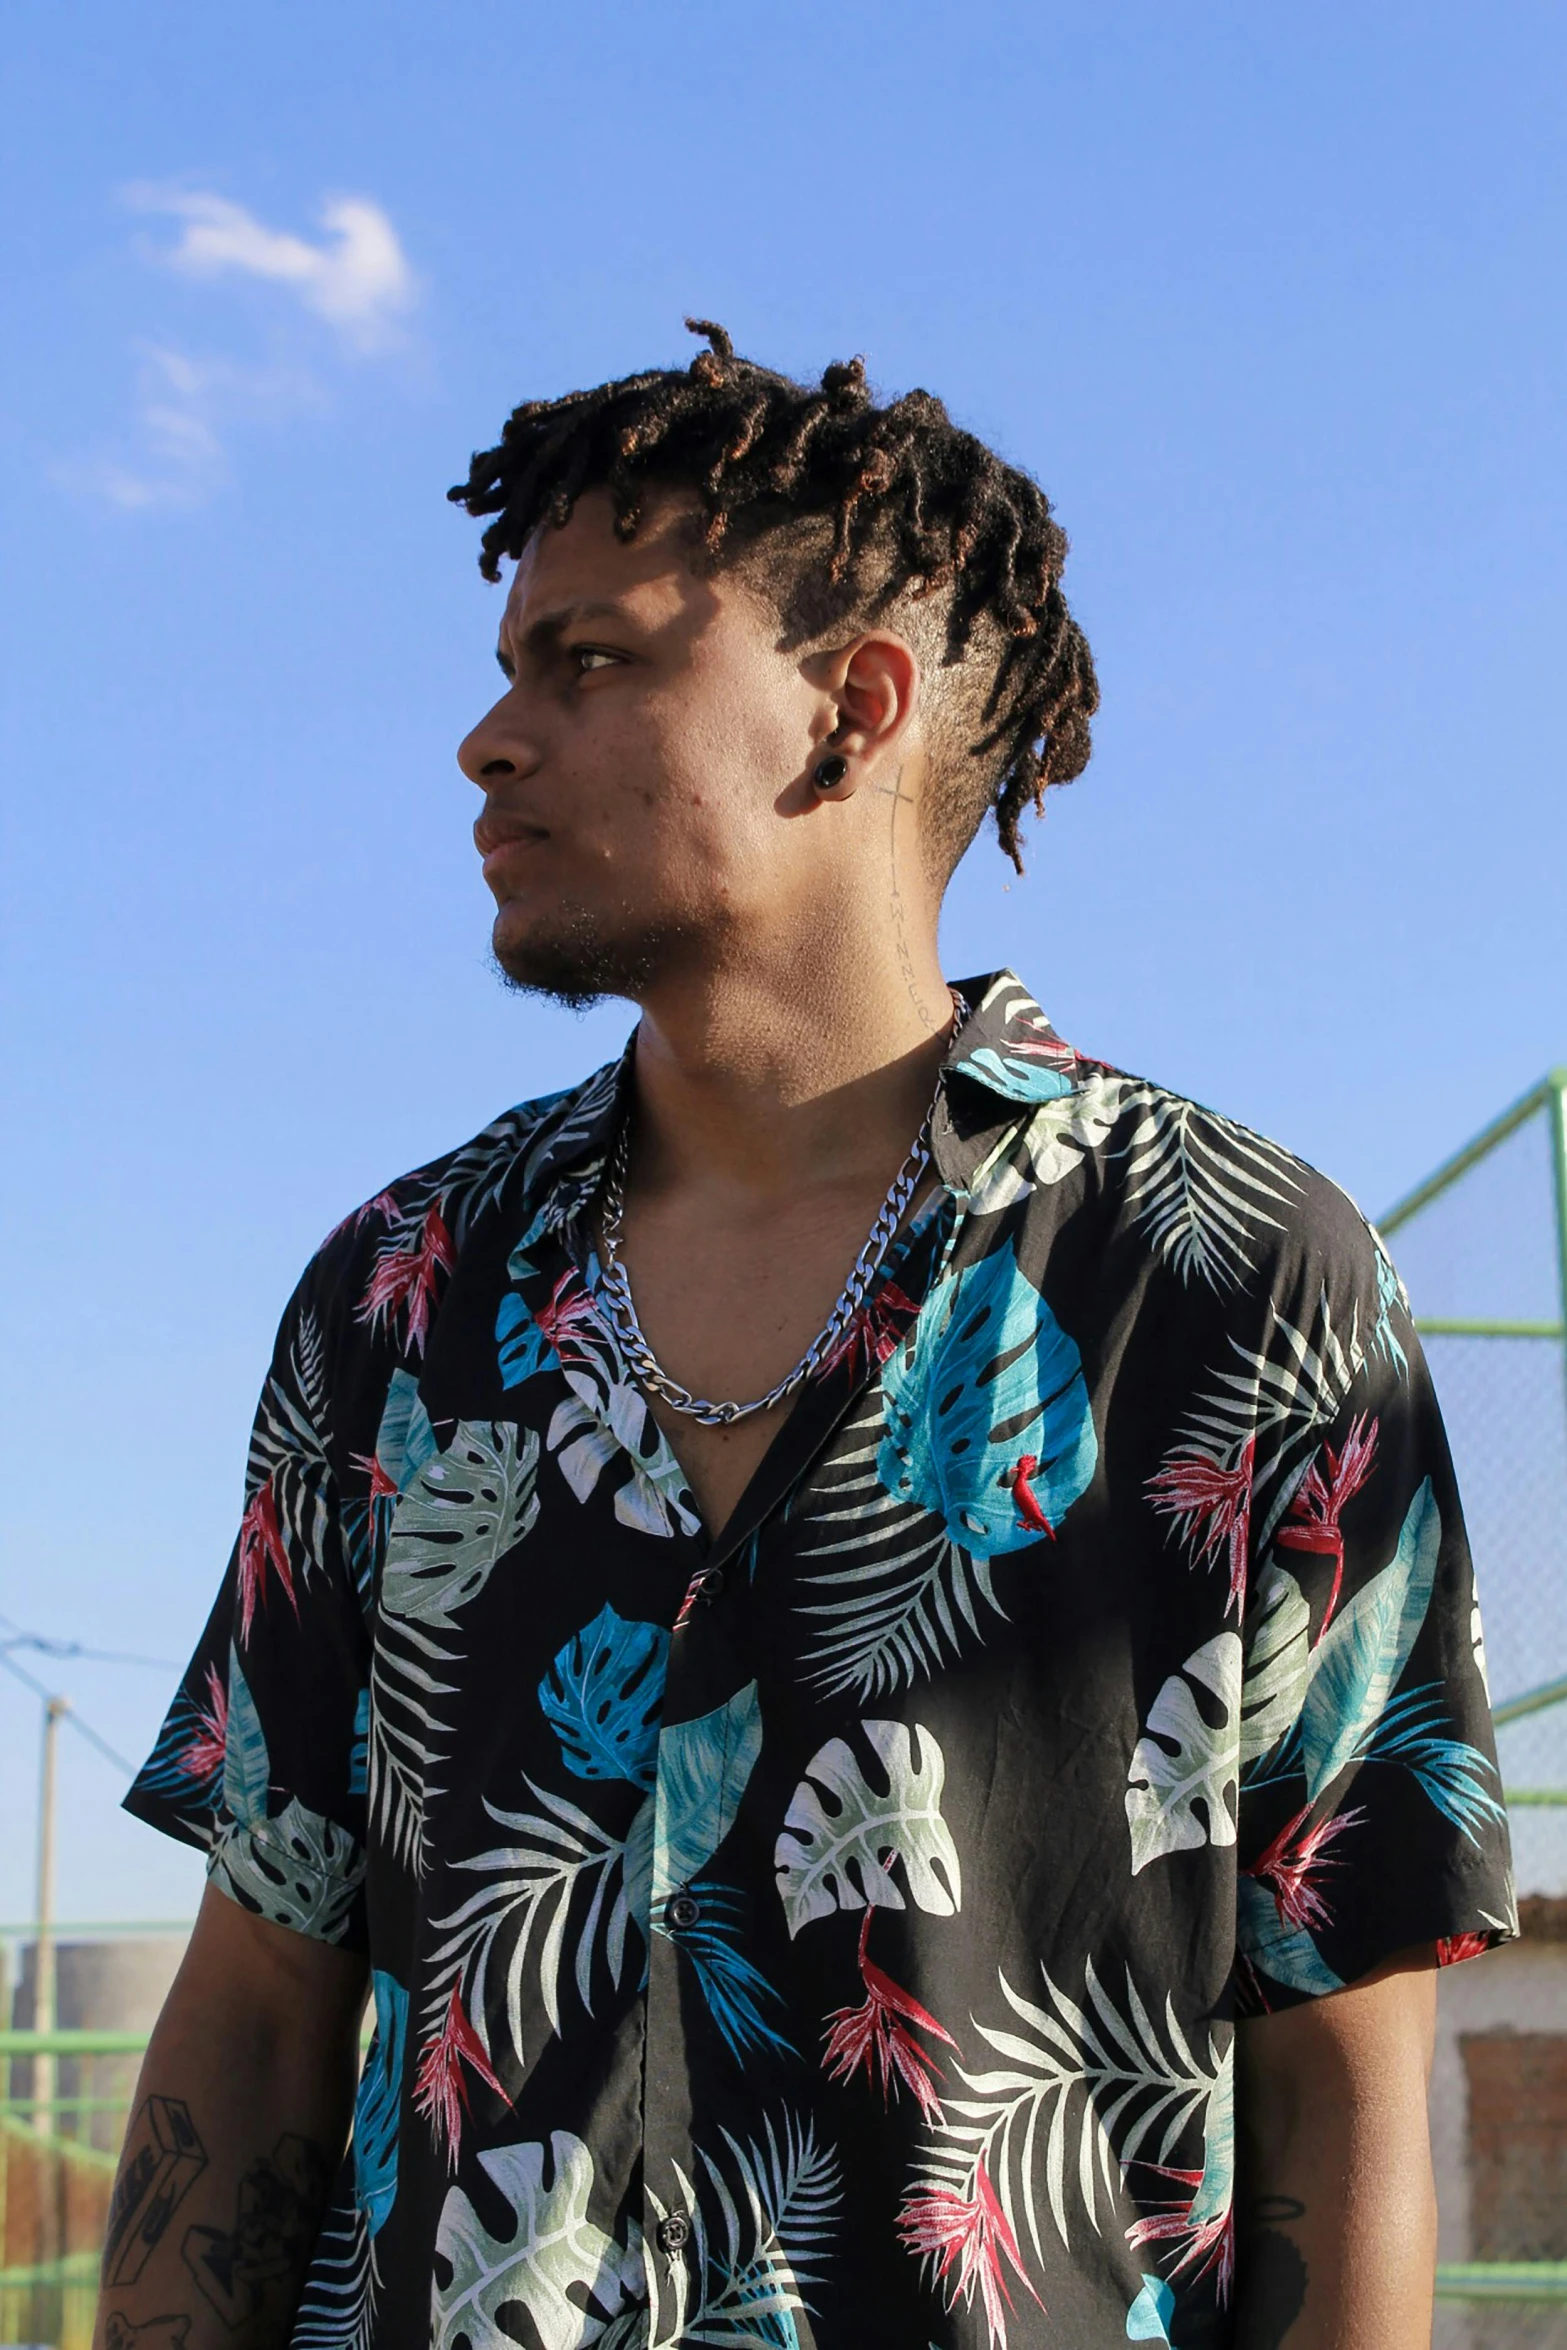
{"type": "Point", "coordinates": [577, 958]}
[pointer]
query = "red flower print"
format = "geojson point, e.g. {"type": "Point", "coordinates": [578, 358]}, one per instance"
{"type": "Point", "coordinates": [871, 1333]}
{"type": "Point", "coordinates": [1029, 1512]}
{"type": "Point", "coordinates": [261, 1547]}
{"type": "Point", "coordinates": [968, 2235]}
{"type": "Point", "coordinates": [440, 2091]}
{"type": "Point", "coordinates": [1453, 1949]}
{"type": "Point", "coordinates": [877, 2036]}
{"type": "Point", "coordinates": [384, 1205]}
{"type": "Point", "coordinates": [405, 1277]}
{"type": "Point", "coordinates": [1286, 1866]}
{"type": "Point", "coordinates": [570, 1316]}
{"type": "Point", "coordinates": [1212, 1506]}
{"type": "Point", "coordinates": [1209, 2243]}
{"type": "Point", "coordinates": [1042, 1045]}
{"type": "Point", "coordinates": [203, 1757]}
{"type": "Point", "coordinates": [1313, 1520]}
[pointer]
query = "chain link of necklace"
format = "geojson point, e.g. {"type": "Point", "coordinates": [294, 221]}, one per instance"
{"type": "Point", "coordinates": [615, 1290]}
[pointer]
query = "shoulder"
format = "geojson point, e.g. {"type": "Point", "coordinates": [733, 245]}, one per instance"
{"type": "Point", "coordinates": [1213, 1208]}
{"type": "Point", "coordinates": [386, 1262]}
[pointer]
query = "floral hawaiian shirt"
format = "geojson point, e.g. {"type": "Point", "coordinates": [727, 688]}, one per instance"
{"type": "Point", "coordinates": [831, 1932]}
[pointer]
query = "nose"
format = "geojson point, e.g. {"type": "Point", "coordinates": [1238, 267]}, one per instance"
{"type": "Point", "coordinates": [500, 746]}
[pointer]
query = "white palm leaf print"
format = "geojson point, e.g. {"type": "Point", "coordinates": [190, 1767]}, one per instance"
{"type": "Point", "coordinates": [1275, 1396]}
{"type": "Point", "coordinates": [1082, 2092]}
{"type": "Point", "coordinates": [900, 1612]}
{"type": "Point", "coordinates": [1201, 1187]}
{"type": "Point", "coordinates": [764, 2214]}
{"type": "Point", "coordinates": [337, 2307]}
{"type": "Point", "coordinates": [459, 1514]}
{"type": "Point", "coordinates": [555, 1895]}
{"type": "Point", "coordinates": [288, 1444]}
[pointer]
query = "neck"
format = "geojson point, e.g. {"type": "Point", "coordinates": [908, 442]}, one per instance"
{"type": "Point", "coordinates": [814, 1067]}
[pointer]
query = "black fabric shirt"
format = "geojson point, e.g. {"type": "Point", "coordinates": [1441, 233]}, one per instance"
{"type": "Point", "coordinates": [832, 1933]}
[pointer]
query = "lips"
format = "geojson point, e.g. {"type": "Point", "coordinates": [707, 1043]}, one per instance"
{"type": "Point", "coordinates": [492, 833]}
{"type": "Point", "coordinates": [497, 837]}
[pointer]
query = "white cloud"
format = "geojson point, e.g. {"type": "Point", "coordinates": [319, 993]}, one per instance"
{"type": "Point", "coordinates": [184, 407]}
{"type": "Point", "coordinates": [357, 278]}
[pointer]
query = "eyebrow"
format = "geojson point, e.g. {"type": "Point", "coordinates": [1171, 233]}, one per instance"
{"type": "Point", "coordinates": [550, 626]}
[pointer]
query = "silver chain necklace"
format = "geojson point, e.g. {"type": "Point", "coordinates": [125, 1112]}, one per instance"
{"type": "Point", "coordinates": [615, 1288]}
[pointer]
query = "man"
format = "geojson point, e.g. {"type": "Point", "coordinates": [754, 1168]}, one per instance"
{"type": "Point", "coordinates": [860, 1626]}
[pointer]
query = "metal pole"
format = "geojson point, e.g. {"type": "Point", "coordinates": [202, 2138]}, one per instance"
{"type": "Point", "coordinates": [55, 1708]}
{"type": "Point", "coordinates": [1557, 1094]}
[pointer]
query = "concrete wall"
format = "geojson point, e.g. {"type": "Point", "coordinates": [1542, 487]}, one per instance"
{"type": "Point", "coordinates": [112, 1986]}
{"type": "Point", "coordinates": [1521, 1989]}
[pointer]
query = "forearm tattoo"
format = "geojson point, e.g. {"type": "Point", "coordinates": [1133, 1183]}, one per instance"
{"type": "Point", "coordinates": [162, 2161]}
{"type": "Point", "coordinates": [277, 2213]}
{"type": "Point", "coordinates": [1273, 2274]}
{"type": "Point", "coordinates": [156, 2333]}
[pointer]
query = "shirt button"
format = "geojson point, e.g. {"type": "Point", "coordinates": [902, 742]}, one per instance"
{"type": "Point", "coordinates": [674, 2232]}
{"type": "Point", "coordinates": [681, 1912]}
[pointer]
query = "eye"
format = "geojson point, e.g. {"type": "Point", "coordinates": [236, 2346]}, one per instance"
{"type": "Point", "coordinates": [591, 657]}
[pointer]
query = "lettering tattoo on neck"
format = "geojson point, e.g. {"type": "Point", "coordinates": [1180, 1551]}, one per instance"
{"type": "Point", "coordinates": [901, 799]}
{"type": "Point", "coordinates": [1273, 2275]}
{"type": "Point", "coordinates": [277, 2214]}
{"type": "Point", "coordinates": [162, 2161]}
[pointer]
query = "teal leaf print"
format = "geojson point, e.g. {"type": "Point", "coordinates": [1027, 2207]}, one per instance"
{"type": "Point", "coordinates": [1284, 1951]}
{"type": "Point", "coordinates": [523, 1347]}
{"type": "Point", "coordinates": [543, 2262]}
{"type": "Point", "coordinates": [1020, 1080]}
{"type": "Point", "coordinates": [1449, 1771]}
{"type": "Point", "coordinates": [737, 1993]}
{"type": "Point", "coordinates": [1185, 1765]}
{"type": "Point", "coordinates": [247, 1767]}
{"type": "Point", "coordinates": [987, 1377]}
{"type": "Point", "coordinates": [378, 2103]}
{"type": "Point", "coordinates": [405, 1439]}
{"type": "Point", "coordinates": [832, 1854]}
{"type": "Point", "coordinates": [703, 1768]}
{"type": "Point", "coordinates": [1148, 2319]}
{"type": "Point", "coordinates": [603, 1695]}
{"type": "Point", "coordinates": [1358, 1661]}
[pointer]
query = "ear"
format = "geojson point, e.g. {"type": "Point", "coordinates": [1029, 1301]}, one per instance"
{"type": "Point", "coordinates": [871, 690]}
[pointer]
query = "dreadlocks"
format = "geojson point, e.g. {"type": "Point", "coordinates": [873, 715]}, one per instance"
{"type": "Point", "coordinates": [868, 507]}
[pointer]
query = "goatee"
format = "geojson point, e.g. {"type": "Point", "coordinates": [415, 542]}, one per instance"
{"type": "Point", "coordinates": [576, 963]}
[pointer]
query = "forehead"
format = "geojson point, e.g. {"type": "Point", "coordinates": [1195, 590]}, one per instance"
{"type": "Point", "coordinates": [652, 575]}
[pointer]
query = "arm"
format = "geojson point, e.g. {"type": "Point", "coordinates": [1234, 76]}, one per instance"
{"type": "Point", "coordinates": [241, 2116]}
{"type": "Point", "coordinates": [1335, 2206]}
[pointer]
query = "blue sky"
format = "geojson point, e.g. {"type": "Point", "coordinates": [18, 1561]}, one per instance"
{"type": "Point", "coordinates": [1271, 301]}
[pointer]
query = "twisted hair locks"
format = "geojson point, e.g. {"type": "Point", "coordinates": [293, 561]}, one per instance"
{"type": "Point", "coordinates": [841, 510]}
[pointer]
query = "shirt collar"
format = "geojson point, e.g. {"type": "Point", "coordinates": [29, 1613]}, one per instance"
{"type": "Point", "coordinates": [1004, 1061]}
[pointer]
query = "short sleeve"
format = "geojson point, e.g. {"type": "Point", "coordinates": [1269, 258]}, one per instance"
{"type": "Point", "coordinates": [1370, 1813]}
{"type": "Point", "coordinates": [261, 1758]}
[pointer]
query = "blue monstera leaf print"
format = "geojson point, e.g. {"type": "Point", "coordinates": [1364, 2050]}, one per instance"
{"type": "Point", "coordinates": [988, 1386]}
{"type": "Point", "coordinates": [377, 2106]}
{"type": "Point", "coordinates": [603, 1695]}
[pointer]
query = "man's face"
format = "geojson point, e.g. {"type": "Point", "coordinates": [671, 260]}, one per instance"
{"type": "Point", "coordinates": [642, 771]}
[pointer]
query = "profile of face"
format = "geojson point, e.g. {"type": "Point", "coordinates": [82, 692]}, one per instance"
{"type": "Point", "coordinates": [647, 774]}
